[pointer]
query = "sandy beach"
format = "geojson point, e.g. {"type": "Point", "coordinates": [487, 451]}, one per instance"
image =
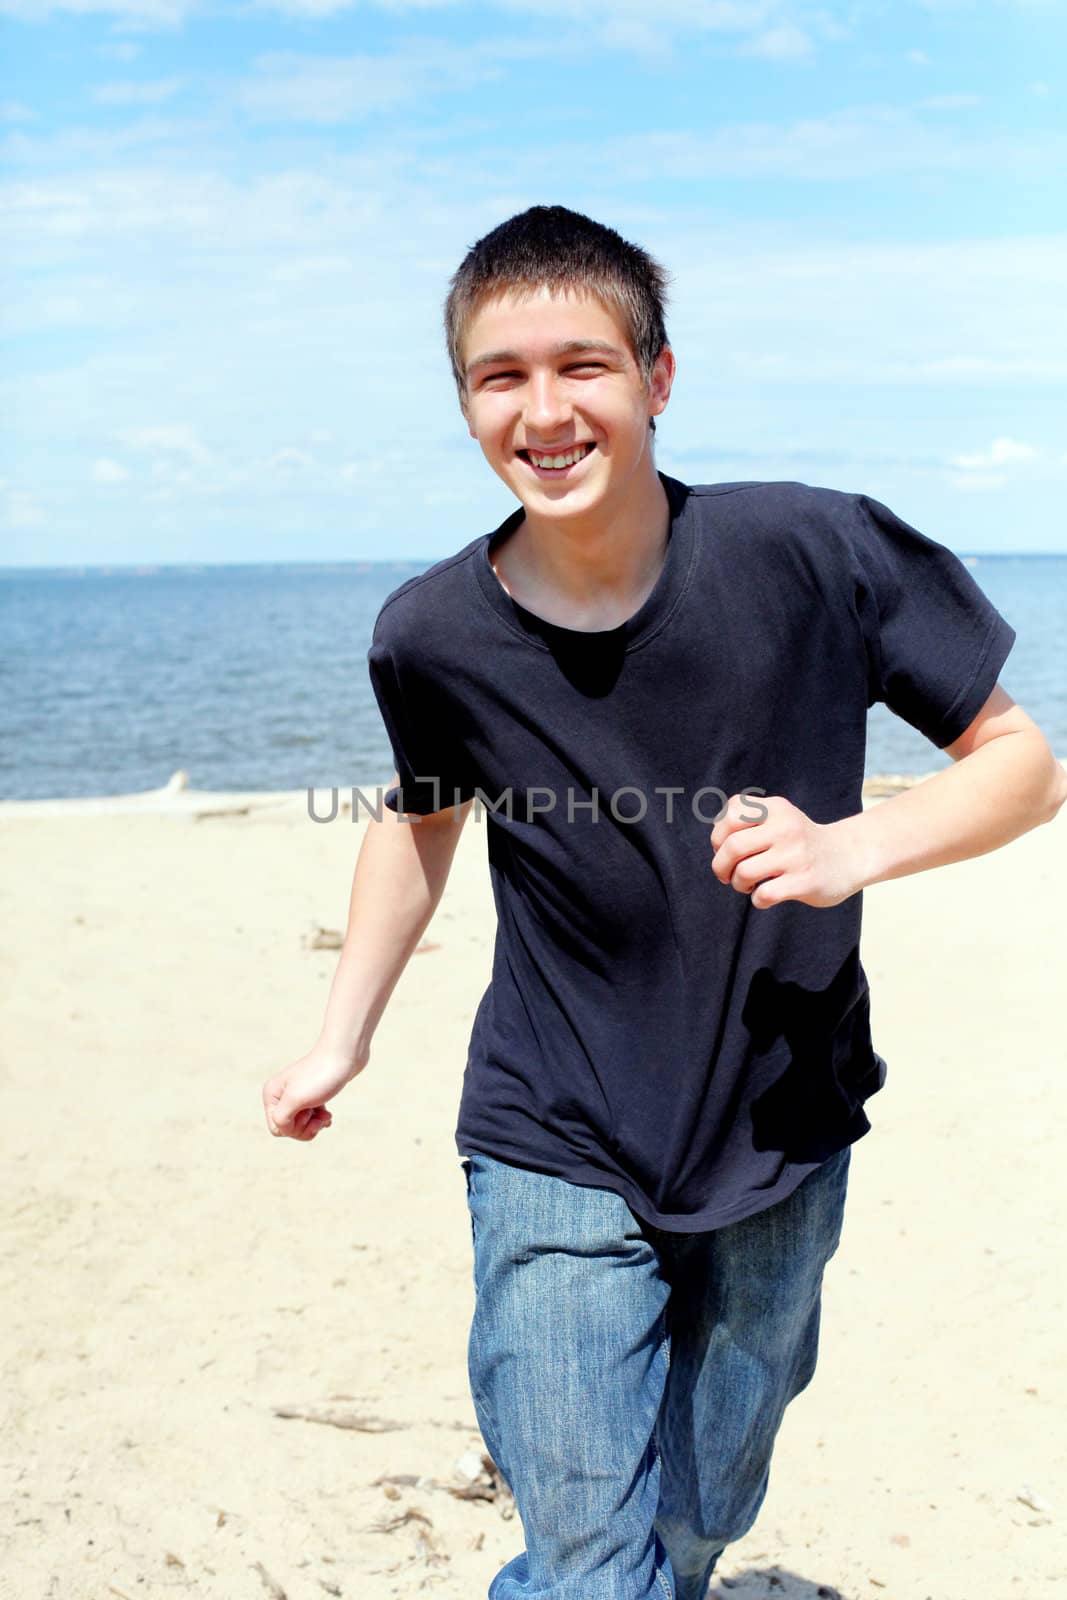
{"type": "Point", "coordinates": [236, 1365]}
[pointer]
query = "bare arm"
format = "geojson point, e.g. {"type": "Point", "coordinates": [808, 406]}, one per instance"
{"type": "Point", "coordinates": [401, 872]}
{"type": "Point", "coordinates": [1004, 781]}
{"type": "Point", "coordinates": [400, 876]}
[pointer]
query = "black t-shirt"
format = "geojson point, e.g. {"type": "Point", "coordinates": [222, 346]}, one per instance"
{"type": "Point", "coordinates": [647, 1030]}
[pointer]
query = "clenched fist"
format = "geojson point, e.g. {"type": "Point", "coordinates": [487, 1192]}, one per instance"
{"type": "Point", "coordinates": [294, 1100]}
{"type": "Point", "coordinates": [784, 855]}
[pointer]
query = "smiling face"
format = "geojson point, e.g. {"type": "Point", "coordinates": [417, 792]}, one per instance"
{"type": "Point", "coordinates": [557, 402]}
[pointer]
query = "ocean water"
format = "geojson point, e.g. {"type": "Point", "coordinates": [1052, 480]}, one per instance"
{"type": "Point", "coordinates": [255, 677]}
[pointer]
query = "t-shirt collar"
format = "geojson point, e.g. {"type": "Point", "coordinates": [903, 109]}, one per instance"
{"type": "Point", "coordinates": [646, 620]}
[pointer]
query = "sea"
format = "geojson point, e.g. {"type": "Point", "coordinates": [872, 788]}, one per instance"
{"type": "Point", "coordinates": [254, 677]}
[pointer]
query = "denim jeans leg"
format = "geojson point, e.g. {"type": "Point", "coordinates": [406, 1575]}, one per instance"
{"type": "Point", "coordinates": [568, 1361]}
{"type": "Point", "coordinates": [744, 1331]}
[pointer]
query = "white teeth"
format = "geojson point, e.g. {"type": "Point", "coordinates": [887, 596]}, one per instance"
{"type": "Point", "coordinates": [559, 461]}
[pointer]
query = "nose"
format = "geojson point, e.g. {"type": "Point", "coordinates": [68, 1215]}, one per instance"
{"type": "Point", "coordinates": [547, 405]}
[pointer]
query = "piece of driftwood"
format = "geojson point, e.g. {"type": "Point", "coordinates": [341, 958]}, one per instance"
{"type": "Point", "coordinates": [362, 1421]}
{"type": "Point", "coordinates": [427, 1547]}
{"type": "Point", "coordinates": [390, 1524]}
{"type": "Point", "coordinates": [480, 1479]}
{"type": "Point", "coordinates": [358, 1421]}
{"type": "Point", "coordinates": [272, 1586]}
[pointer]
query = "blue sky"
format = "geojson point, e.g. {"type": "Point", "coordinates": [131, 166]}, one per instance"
{"type": "Point", "coordinates": [230, 229]}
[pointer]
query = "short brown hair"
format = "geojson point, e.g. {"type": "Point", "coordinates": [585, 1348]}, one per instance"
{"type": "Point", "coordinates": [551, 247]}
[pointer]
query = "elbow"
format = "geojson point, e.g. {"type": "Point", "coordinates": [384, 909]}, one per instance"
{"type": "Point", "coordinates": [1048, 781]}
{"type": "Point", "coordinates": [1058, 789]}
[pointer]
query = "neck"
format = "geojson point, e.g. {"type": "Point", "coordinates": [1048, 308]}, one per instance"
{"type": "Point", "coordinates": [595, 567]}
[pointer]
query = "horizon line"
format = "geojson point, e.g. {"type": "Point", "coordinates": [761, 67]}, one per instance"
{"type": "Point", "coordinates": [151, 568]}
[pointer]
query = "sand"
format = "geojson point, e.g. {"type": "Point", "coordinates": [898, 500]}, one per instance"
{"type": "Point", "coordinates": [220, 1347]}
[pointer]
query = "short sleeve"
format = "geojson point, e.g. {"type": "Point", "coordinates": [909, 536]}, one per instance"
{"type": "Point", "coordinates": [935, 642]}
{"type": "Point", "coordinates": [428, 760]}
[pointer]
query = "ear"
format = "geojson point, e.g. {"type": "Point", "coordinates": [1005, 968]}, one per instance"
{"type": "Point", "coordinates": [659, 388]}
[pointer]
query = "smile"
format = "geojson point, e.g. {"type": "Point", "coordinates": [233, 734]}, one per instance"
{"type": "Point", "coordinates": [560, 462]}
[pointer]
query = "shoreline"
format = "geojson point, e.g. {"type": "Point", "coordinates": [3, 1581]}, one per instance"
{"type": "Point", "coordinates": [177, 798]}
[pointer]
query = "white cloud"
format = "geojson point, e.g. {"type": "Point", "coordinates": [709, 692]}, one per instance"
{"type": "Point", "coordinates": [951, 102]}
{"type": "Point", "coordinates": [1007, 5]}
{"type": "Point", "coordinates": [718, 15]}
{"type": "Point", "coordinates": [318, 9]}
{"type": "Point", "coordinates": [74, 147]}
{"type": "Point", "coordinates": [868, 365]}
{"type": "Point", "coordinates": [783, 313]}
{"type": "Point", "coordinates": [137, 94]}
{"type": "Point", "coordinates": [21, 509]}
{"type": "Point", "coordinates": [640, 38]}
{"type": "Point", "coordinates": [335, 89]}
{"type": "Point", "coordinates": [977, 482]}
{"type": "Point", "coordinates": [727, 16]}
{"type": "Point", "coordinates": [289, 459]}
{"type": "Point", "coordinates": [1010, 369]}
{"type": "Point", "coordinates": [107, 471]}
{"type": "Point", "coordinates": [763, 28]}
{"type": "Point", "coordinates": [134, 13]}
{"type": "Point", "coordinates": [121, 50]}
{"type": "Point", "coordinates": [624, 25]}
{"type": "Point", "coordinates": [736, 16]}
{"type": "Point", "coordinates": [977, 472]}
{"type": "Point", "coordinates": [855, 142]}
{"type": "Point", "coordinates": [256, 311]}
{"type": "Point", "coordinates": [787, 43]}
{"type": "Point", "coordinates": [15, 111]}
{"type": "Point", "coordinates": [918, 58]}
{"type": "Point", "coordinates": [315, 9]}
{"type": "Point", "coordinates": [1003, 452]}
{"type": "Point", "coordinates": [170, 440]}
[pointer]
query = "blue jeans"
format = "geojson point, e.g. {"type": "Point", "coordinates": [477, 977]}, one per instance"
{"type": "Point", "coordinates": [629, 1382]}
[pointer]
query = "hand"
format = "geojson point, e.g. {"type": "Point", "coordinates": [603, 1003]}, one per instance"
{"type": "Point", "coordinates": [294, 1100]}
{"type": "Point", "coordinates": [784, 856]}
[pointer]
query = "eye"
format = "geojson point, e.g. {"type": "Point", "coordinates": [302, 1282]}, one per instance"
{"type": "Point", "coordinates": [587, 366]}
{"type": "Point", "coordinates": [497, 377]}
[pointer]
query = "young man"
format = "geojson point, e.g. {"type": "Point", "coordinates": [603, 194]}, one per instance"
{"type": "Point", "coordinates": [639, 679]}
